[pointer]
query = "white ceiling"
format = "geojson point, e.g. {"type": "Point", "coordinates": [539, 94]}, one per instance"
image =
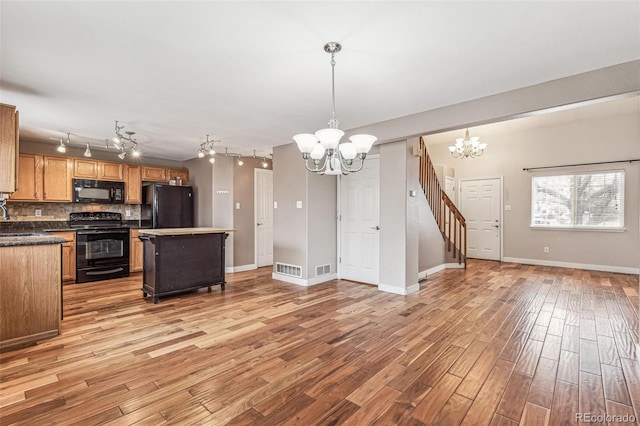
{"type": "Point", "coordinates": [254, 73]}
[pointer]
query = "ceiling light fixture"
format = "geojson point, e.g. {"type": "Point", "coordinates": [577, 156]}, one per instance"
{"type": "Point", "coordinates": [467, 147]}
{"type": "Point", "coordinates": [87, 152]}
{"type": "Point", "coordinates": [62, 148]}
{"type": "Point", "coordinates": [208, 148]}
{"type": "Point", "coordinates": [126, 143]}
{"type": "Point", "coordinates": [325, 143]}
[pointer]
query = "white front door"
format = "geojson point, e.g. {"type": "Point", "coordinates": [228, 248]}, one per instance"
{"type": "Point", "coordinates": [481, 204]}
{"type": "Point", "coordinates": [360, 223]}
{"type": "Point", "coordinates": [264, 217]}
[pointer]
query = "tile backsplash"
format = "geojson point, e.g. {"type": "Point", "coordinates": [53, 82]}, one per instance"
{"type": "Point", "coordinates": [60, 211]}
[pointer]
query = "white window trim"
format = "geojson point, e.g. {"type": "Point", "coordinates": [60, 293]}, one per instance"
{"type": "Point", "coordinates": [574, 228]}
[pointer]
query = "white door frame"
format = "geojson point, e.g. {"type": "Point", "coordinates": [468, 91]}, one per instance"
{"type": "Point", "coordinates": [501, 203]}
{"type": "Point", "coordinates": [255, 210]}
{"type": "Point", "coordinates": [339, 221]}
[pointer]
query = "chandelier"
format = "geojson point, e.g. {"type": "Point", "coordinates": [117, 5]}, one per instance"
{"type": "Point", "coordinates": [126, 144]}
{"type": "Point", "coordinates": [207, 147]}
{"type": "Point", "coordinates": [325, 143]}
{"type": "Point", "coordinates": [467, 147]}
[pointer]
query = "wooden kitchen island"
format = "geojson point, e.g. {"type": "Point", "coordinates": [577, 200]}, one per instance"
{"type": "Point", "coordinates": [178, 260]}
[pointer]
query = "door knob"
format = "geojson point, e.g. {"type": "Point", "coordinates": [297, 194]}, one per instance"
{"type": "Point", "coordinates": [377, 228]}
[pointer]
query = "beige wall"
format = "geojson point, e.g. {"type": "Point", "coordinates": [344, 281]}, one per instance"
{"type": "Point", "coordinates": [592, 140]}
{"type": "Point", "coordinates": [290, 223]}
{"type": "Point", "coordinates": [243, 218]}
{"type": "Point", "coordinates": [200, 178]}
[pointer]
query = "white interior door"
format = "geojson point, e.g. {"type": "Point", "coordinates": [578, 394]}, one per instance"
{"type": "Point", "coordinates": [360, 223]}
{"type": "Point", "coordinates": [481, 205]}
{"type": "Point", "coordinates": [264, 217]}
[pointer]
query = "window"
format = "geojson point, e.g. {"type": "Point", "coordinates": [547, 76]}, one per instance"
{"type": "Point", "coordinates": [578, 201]}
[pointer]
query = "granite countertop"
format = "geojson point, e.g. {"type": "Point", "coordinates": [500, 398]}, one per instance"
{"type": "Point", "coordinates": [28, 239]}
{"type": "Point", "coordinates": [184, 231]}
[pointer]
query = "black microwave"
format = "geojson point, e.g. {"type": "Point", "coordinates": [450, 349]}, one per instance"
{"type": "Point", "coordinates": [98, 191]}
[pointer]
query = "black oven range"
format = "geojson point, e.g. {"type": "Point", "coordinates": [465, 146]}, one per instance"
{"type": "Point", "coordinates": [102, 246]}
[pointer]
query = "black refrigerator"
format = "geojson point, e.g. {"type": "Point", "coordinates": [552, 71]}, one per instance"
{"type": "Point", "coordinates": [166, 206]}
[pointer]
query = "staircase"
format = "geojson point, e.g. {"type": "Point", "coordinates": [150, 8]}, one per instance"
{"type": "Point", "coordinates": [449, 219]}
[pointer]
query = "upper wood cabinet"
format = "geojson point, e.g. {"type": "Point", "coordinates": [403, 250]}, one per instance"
{"type": "Point", "coordinates": [181, 173]}
{"type": "Point", "coordinates": [154, 174]}
{"type": "Point", "coordinates": [133, 184]}
{"type": "Point", "coordinates": [29, 179]}
{"type": "Point", "coordinates": [111, 171]}
{"type": "Point", "coordinates": [94, 169]}
{"type": "Point", "coordinates": [43, 178]}
{"type": "Point", "coordinates": [8, 147]}
{"type": "Point", "coordinates": [86, 169]}
{"type": "Point", "coordinates": [57, 178]}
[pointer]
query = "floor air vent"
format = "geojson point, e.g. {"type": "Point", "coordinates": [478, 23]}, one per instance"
{"type": "Point", "coordinates": [291, 270]}
{"type": "Point", "coordinates": [323, 270]}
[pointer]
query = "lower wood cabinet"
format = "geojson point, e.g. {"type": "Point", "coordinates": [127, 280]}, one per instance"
{"type": "Point", "coordinates": [68, 255]}
{"type": "Point", "coordinates": [135, 252]}
{"type": "Point", "coordinates": [30, 306]}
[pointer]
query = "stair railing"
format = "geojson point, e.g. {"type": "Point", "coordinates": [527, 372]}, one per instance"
{"type": "Point", "coordinates": [450, 221]}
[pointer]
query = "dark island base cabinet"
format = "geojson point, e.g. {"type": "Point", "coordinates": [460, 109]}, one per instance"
{"type": "Point", "coordinates": [181, 263]}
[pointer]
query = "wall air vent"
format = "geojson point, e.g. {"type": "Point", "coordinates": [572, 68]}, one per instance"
{"type": "Point", "coordinates": [323, 270]}
{"type": "Point", "coordinates": [291, 270]}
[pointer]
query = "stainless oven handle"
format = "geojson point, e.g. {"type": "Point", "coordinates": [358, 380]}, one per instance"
{"type": "Point", "coordinates": [93, 232]}
{"type": "Point", "coordinates": [110, 271]}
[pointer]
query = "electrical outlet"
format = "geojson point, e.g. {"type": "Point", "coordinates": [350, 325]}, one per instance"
{"type": "Point", "coordinates": [38, 212]}
{"type": "Point", "coordinates": [127, 213]}
{"type": "Point", "coordinates": [546, 249]}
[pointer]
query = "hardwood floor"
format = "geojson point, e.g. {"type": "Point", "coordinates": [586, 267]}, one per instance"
{"type": "Point", "coordinates": [497, 344]}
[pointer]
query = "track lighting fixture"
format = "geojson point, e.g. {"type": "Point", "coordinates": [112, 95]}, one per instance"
{"type": "Point", "coordinates": [208, 148]}
{"type": "Point", "coordinates": [126, 143]}
{"type": "Point", "coordinates": [62, 148]}
{"type": "Point", "coordinates": [87, 152]}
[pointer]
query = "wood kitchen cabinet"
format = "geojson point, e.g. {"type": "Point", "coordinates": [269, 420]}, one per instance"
{"type": "Point", "coordinates": [133, 184]}
{"type": "Point", "coordinates": [181, 173]}
{"type": "Point", "coordinates": [135, 252]}
{"type": "Point", "coordinates": [68, 255]}
{"type": "Point", "coordinates": [29, 178]}
{"type": "Point", "coordinates": [154, 174]}
{"type": "Point", "coordinates": [9, 147]}
{"type": "Point", "coordinates": [111, 171]}
{"type": "Point", "coordinates": [43, 178]}
{"type": "Point", "coordinates": [85, 169]}
{"type": "Point", "coordinates": [94, 169]}
{"type": "Point", "coordinates": [57, 178]}
{"type": "Point", "coordinates": [30, 306]}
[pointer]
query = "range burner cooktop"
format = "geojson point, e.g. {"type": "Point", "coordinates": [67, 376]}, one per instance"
{"type": "Point", "coordinates": [95, 220]}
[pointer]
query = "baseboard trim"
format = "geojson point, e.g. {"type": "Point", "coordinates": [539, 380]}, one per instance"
{"type": "Point", "coordinates": [586, 266]}
{"type": "Point", "coordinates": [302, 281]}
{"type": "Point", "coordinates": [241, 268]}
{"type": "Point", "coordinates": [438, 268]}
{"type": "Point", "coordinates": [398, 290]}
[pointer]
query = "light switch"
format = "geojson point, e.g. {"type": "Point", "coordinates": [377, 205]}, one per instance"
{"type": "Point", "coordinates": [275, 204]}
{"type": "Point", "coordinates": [237, 206]}
{"type": "Point", "coordinates": [507, 207]}
{"type": "Point", "coordinates": [298, 204]}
